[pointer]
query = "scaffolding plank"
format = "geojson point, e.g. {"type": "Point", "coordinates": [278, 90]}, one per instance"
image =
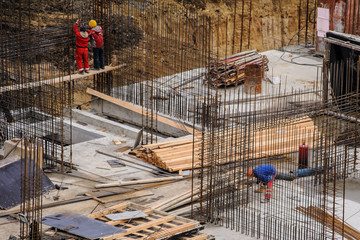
{"type": "Point", "coordinates": [58, 80]}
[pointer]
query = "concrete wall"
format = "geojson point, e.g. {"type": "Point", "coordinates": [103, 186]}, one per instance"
{"type": "Point", "coordinates": [124, 114]}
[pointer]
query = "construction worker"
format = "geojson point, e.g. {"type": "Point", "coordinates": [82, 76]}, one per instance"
{"type": "Point", "coordinates": [82, 54]}
{"type": "Point", "coordinates": [265, 174]}
{"type": "Point", "coordinates": [96, 34]}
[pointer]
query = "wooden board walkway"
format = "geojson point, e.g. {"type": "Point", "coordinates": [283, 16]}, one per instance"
{"type": "Point", "coordinates": [156, 225]}
{"type": "Point", "coordinates": [57, 80]}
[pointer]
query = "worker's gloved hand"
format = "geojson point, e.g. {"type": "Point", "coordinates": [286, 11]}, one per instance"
{"type": "Point", "coordinates": [258, 181]}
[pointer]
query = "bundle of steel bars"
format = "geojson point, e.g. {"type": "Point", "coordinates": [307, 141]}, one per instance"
{"type": "Point", "coordinates": [231, 70]}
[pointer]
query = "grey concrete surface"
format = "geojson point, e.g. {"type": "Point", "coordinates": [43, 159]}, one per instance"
{"type": "Point", "coordinates": [111, 126]}
{"type": "Point", "coordinates": [124, 114]}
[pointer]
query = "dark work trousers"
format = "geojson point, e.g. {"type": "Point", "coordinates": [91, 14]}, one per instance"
{"type": "Point", "coordinates": [99, 57]}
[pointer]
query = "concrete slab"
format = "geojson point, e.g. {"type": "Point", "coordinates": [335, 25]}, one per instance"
{"type": "Point", "coordinates": [223, 233]}
{"type": "Point", "coordinates": [296, 68]}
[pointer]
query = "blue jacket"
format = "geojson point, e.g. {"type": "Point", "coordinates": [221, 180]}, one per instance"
{"type": "Point", "coordinates": [264, 173]}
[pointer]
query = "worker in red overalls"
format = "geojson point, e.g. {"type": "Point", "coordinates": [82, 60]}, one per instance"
{"type": "Point", "coordinates": [265, 174]}
{"type": "Point", "coordinates": [82, 54]}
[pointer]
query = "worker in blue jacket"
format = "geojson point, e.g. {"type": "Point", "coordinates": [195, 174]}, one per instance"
{"type": "Point", "coordinates": [265, 174]}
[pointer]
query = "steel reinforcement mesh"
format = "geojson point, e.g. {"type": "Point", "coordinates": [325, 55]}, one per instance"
{"type": "Point", "coordinates": [308, 198]}
{"type": "Point", "coordinates": [35, 48]}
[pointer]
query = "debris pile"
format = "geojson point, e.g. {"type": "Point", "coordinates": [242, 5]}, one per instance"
{"type": "Point", "coordinates": [231, 70]}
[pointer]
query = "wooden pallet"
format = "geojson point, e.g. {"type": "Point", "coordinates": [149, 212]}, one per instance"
{"type": "Point", "coordinates": [157, 225]}
{"type": "Point", "coordinates": [183, 154]}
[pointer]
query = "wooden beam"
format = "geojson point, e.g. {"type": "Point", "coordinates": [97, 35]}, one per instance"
{"type": "Point", "coordinates": [139, 110]}
{"type": "Point", "coordinates": [58, 79]}
{"type": "Point", "coordinates": [109, 210]}
{"type": "Point", "coordinates": [95, 198]}
{"type": "Point", "coordinates": [143, 181]}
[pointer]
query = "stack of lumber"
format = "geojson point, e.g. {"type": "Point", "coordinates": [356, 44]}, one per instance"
{"type": "Point", "coordinates": [153, 224]}
{"type": "Point", "coordinates": [183, 154]}
{"type": "Point", "coordinates": [231, 70]}
{"type": "Point", "coordinates": [332, 222]}
{"type": "Point", "coordinates": [282, 139]}
{"type": "Point", "coordinates": [173, 155]}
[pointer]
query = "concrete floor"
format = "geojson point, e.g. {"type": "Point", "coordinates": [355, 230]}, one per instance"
{"type": "Point", "coordinates": [93, 167]}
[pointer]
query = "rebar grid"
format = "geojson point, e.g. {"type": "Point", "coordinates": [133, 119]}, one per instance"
{"type": "Point", "coordinates": [251, 131]}
{"type": "Point", "coordinates": [166, 50]}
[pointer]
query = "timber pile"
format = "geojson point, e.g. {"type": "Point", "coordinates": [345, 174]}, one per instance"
{"type": "Point", "coordinates": [154, 225]}
{"type": "Point", "coordinates": [183, 154]}
{"type": "Point", "coordinates": [332, 222]}
{"type": "Point", "coordinates": [172, 156]}
{"type": "Point", "coordinates": [231, 70]}
{"type": "Point", "coordinates": [281, 139]}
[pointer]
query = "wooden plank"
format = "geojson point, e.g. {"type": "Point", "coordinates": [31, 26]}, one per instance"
{"type": "Point", "coordinates": [176, 155]}
{"type": "Point", "coordinates": [118, 222]}
{"type": "Point", "coordinates": [172, 143]}
{"type": "Point", "coordinates": [199, 237]}
{"type": "Point", "coordinates": [177, 148]}
{"type": "Point", "coordinates": [122, 149]}
{"type": "Point", "coordinates": [141, 227]}
{"type": "Point", "coordinates": [109, 210]}
{"type": "Point", "coordinates": [58, 80]}
{"type": "Point", "coordinates": [95, 198]}
{"type": "Point", "coordinates": [143, 181]}
{"type": "Point", "coordinates": [139, 110]}
{"type": "Point", "coordinates": [172, 231]}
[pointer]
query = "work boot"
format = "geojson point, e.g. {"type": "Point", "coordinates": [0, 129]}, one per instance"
{"type": "Point", "coordinates": [265, 200]}
{"type": "Point", "coordinates": [260, 190]}
{"type": "Point", "coordinates": [81, 72]}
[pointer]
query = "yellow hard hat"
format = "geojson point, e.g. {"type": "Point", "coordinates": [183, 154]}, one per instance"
{"type": "Point", "coordinates": [92, 23]}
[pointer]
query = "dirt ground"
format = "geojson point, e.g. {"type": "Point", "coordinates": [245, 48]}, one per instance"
{"type": "Point", "coordinates": [258, 24]}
